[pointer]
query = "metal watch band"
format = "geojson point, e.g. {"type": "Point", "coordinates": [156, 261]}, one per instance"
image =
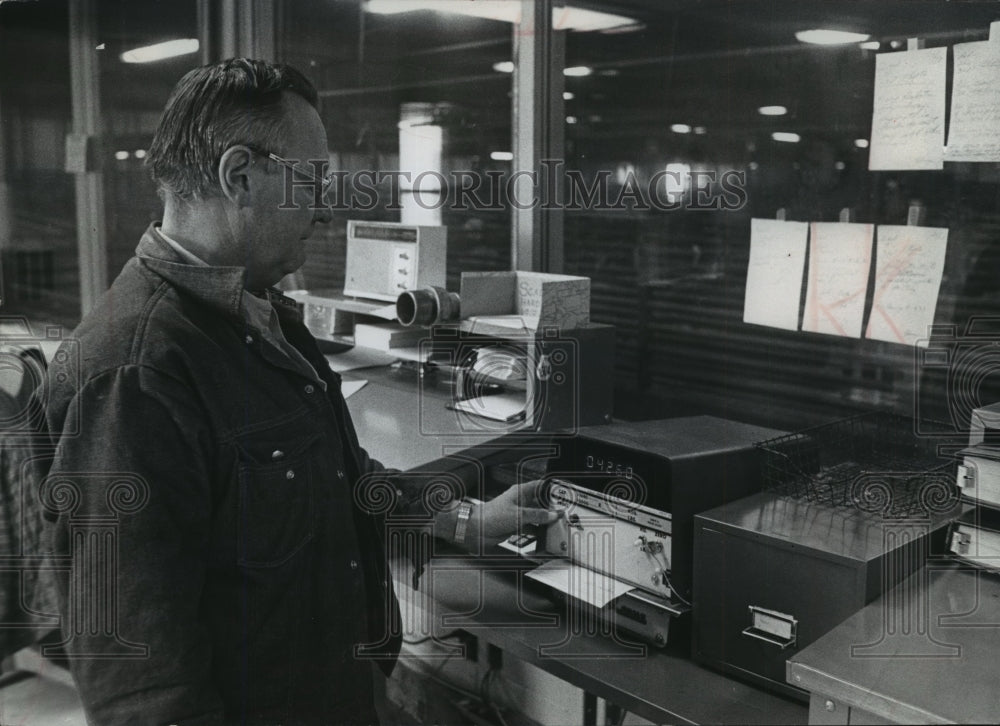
{"type": "Point", "coordinates": [464, 513]}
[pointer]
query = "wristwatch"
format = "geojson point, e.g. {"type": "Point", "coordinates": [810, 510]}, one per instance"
{"type": "Point", "coordinates": [464, 513]}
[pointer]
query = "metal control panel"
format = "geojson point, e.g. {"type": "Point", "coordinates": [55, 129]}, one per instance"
{"type": "Point", "coordinates": [621, 539]}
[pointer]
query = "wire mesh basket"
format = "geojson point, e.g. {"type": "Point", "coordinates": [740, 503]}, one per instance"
{"type": "Point", "coordinates": [872, 462]}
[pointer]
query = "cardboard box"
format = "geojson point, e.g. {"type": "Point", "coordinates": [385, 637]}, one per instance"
{"type": "Point", "coordinates": [523, 301]}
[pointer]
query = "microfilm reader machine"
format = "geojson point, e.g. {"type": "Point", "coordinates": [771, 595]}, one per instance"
{"type": "Point", "coordinates": [626, 495]}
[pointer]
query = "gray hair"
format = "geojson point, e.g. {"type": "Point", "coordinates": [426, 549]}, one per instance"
{"type": "Point", "coordinates": [212, 108]}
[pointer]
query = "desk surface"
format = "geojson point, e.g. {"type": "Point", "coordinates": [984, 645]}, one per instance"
{"type": "Point", "coordinates": [404, 422]}
{"type": "Point", "coordinates": [494, 602]}
{"type": "Point", "coordinates": [926, 652]}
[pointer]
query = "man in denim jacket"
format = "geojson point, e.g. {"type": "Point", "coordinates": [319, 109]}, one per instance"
{"type": "Point", "coordinates": [207, 483]}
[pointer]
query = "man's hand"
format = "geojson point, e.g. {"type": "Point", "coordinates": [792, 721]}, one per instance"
{"type": "Point", "coordinates": [508, 513]}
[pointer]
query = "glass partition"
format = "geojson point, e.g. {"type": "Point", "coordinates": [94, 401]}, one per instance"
{"type": "Point", "coordinates": [407, 89]}
{"type": "Point", "coordinates": [717, 113]}
{"type": "Point", "coordinates": [37, 208]}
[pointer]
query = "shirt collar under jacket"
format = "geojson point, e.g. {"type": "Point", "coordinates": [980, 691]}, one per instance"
{"type": "Point", "coordinates": [220, 288]}
{"type": "Point", "coordinates": [257, 310]}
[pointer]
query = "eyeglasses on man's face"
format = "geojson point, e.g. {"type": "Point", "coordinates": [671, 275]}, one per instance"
{"type": "Point", "coordinates": [300, 175]}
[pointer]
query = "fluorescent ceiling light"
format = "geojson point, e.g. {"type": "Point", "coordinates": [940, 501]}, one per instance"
{"type": "Point", "coordinates": [571, 119]}
{"type": "Point", "coordinates": [700, 130]}
{"type": "Point", "coordinates": [568, 96]}
{"type": "Point", "coordinates": [786, 136]}
{"type": "Point", "coordinates": [502, 155]}
{"type": "Point", "coordinates": [563, 18]}
{"type": "Point", "coordinates": [824, 36]}
{"type": "Point", "coordinates": [584, 21]}
{"type": "Point", "coordinates": [160, 51]}
{"type": "Point", "coordinates": [121, 155]}
{"type": "Point", "coordinates": [680, 128]}
{"type": "Point", "coordinates": [504, 67]}
{"type": "Point", "coordinates": [772, 110]}
{"type": "Point", "coordinates": [871, 45]}
{"type": "Point", "coordinates": [139, 153]}
{"type": "Point", "coordinates": [577, 71]}
{"type": "Point", "coordinates": [677, 180]}
{"type": "Point", "coordinates": [861, 143]}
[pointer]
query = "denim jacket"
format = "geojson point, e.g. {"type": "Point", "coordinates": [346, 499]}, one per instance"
{"type": "Point", "coordinates": [218, 563]}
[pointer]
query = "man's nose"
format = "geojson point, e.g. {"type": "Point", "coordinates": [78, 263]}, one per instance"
{"type": "Point", "coordinates": [322, 215]}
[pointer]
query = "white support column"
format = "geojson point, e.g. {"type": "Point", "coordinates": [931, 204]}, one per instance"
{"type": "Point", "coordinates": [538, 127]}
{"type": "Point", "coordinates": [236, 28]}
{"type": "Point", "coordinates": [92, 239]}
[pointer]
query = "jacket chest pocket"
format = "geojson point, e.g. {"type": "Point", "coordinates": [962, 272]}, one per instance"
{"type": "Point", "coordinates": [275, 517]}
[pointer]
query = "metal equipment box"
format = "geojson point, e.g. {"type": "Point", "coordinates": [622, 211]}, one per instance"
{"type": "Point", "coordinates": [385, 259]}
{"type": "Point", "coordinates": [677, 467]}
{"type": "Point", "coordinates": [774, 573]}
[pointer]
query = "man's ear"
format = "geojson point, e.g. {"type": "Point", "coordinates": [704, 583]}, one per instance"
{"type": "Point", "coordinates": [235, 175]}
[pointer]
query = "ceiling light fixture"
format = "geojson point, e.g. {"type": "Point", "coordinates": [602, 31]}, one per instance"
{"type": "Point", "coordinates": [825, 36]}
{"type": "Point", "coordinates": [568, 96]}
{"type": "Point", "coordinates": [161, 51]}
{"type": "Point", "coordinates": [861, 143]}
{"type": "Point", "coordinates": [786, 136]}
{"type": "Point", "coordinates": [502, 155]}
{"type": "Point", "coordinates": [680, 128]}
{"type": "Point", "coordinates": [871, 45]}
{"type": "Point", "coordinates": [504, 67]}
{"type": "Point", "coordinates": [772, 110]}
{"type": "Point", "coordinates": [577, 71]}
{"type": "Point", "coordinates": [563, 18]}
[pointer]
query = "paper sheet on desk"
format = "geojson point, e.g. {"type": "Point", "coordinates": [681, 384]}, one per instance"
{"type": "Point", "coordinates": [504, 407]}
{"type": "Point", "coordinates": [349, 388]}
{"type": "Point", "coordinates": [356, 358]}
{"type": "Point", "coordinates": [514, 322]}
{"type": "Point", "coordinates": [579, 582]}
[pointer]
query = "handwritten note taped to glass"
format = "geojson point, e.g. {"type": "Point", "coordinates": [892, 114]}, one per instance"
{"type": "Point", "coordinates": [774, 275]}
{"type": "Point", "coordinates": [909, 263]}
{"type": "Point", "coordinates": [908, 114]}
{"type": "Point", "coordinates": [974, 132]}
{"type": "Point", "coordinates": [839, 262]}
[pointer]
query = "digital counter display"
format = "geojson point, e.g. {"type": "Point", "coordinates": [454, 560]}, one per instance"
{"type": "Point", "coordinates": [617, 471]}
{"type": "Point", "coordinates": [598, 464]}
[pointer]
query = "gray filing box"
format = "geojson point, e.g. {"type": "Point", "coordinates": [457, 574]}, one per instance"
{"type": "Point", "coordinates": [773, 574]}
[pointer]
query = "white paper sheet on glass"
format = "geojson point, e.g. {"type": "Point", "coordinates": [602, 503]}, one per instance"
{"type": "Point", "coordinates": [975, 103]}
{"type": "Point", "coordinates": [774, 275]}
{"type": "Point", "coordinates": [579, 582]}
{"type": "Point", "coordinates": [839, 262]}
{"type": "Point", "coordinates": [908, 112]}
{"type": "Point", "coordinates": [909, 263]}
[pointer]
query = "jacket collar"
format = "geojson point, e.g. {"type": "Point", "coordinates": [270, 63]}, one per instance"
{"type": "Point", "coordinates": [220, 288]}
